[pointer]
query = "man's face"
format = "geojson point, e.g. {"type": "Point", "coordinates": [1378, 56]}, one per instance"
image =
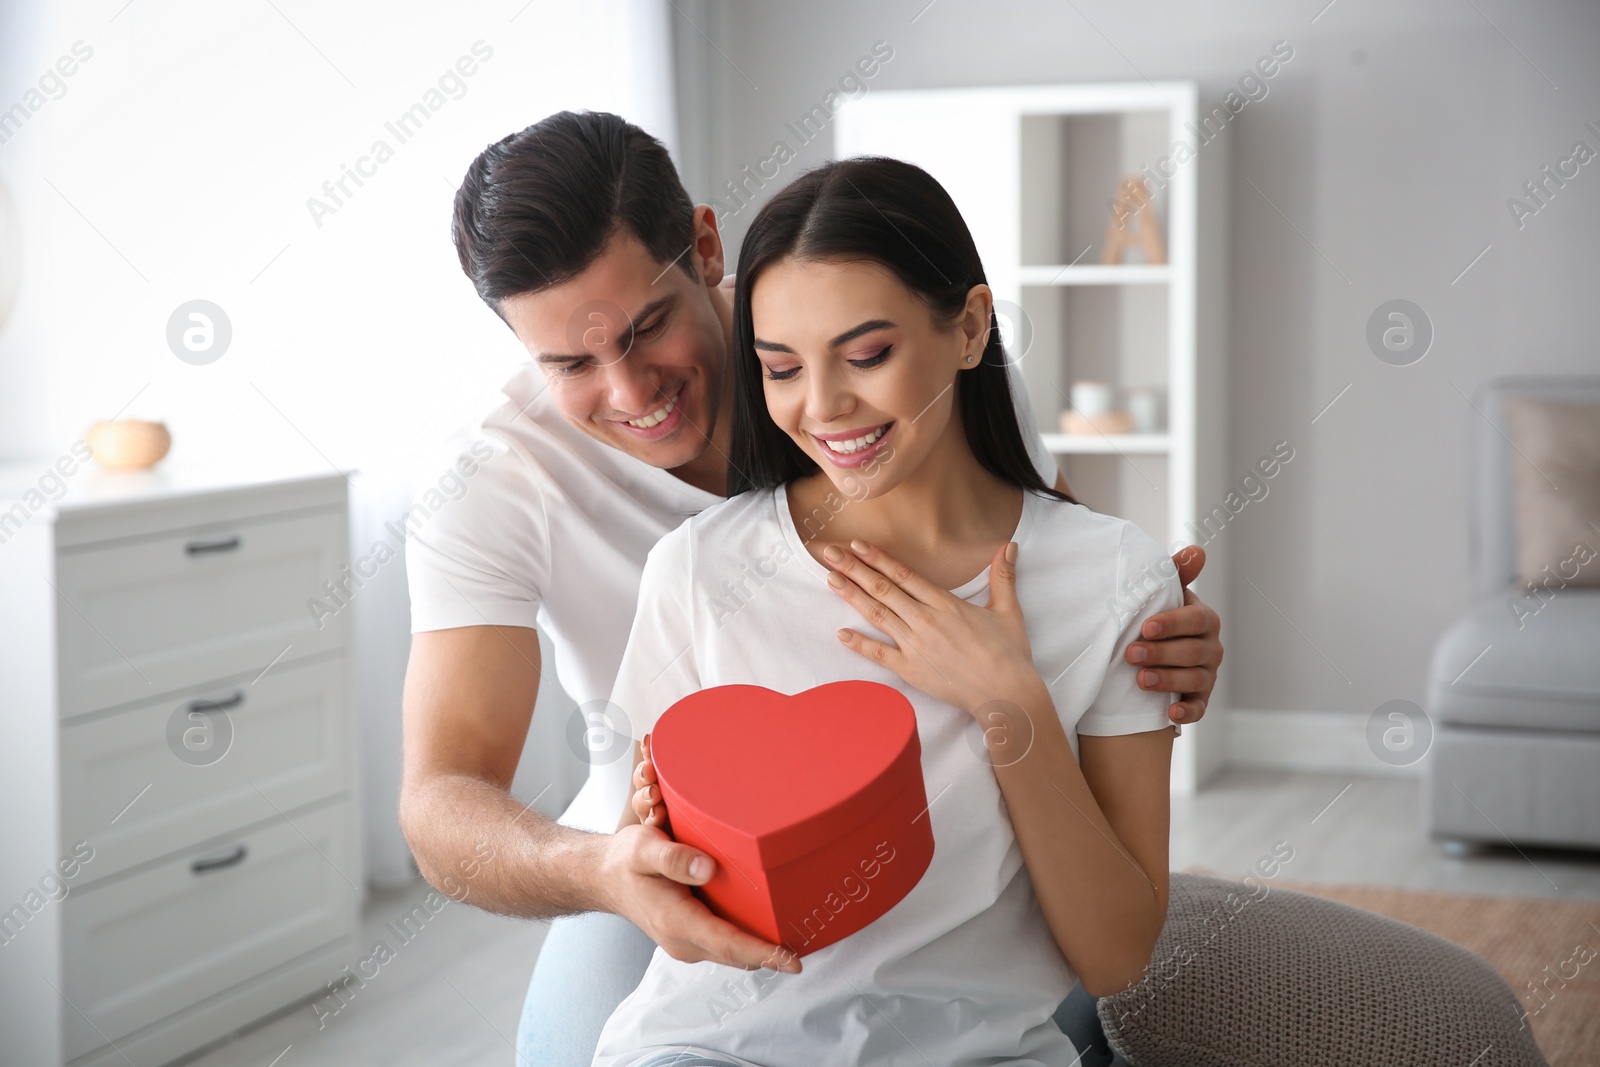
{"type": "Point", "coordinates": [633, 351]}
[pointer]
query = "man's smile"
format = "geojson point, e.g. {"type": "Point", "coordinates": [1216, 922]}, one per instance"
{"type": "Point", "coordinates": [656, 424]}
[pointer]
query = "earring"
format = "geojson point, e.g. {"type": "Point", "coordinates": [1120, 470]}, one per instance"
{"type": "Point", "coordinates": [971, 358]}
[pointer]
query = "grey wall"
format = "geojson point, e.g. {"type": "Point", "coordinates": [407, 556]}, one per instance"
{"type": "Point", "coordinates": [1381, 159]}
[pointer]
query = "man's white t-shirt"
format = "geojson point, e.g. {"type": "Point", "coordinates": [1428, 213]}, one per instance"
{"type": "Point", "coordinates": [964, 969]}
{"type": "Point", "coordinates": [551, 532]}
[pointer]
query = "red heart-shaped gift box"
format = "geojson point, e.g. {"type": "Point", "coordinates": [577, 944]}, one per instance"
{"type": "Point", "coordinates": [813, 805]}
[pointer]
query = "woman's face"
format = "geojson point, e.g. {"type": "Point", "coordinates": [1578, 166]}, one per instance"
{"type": "Point", "coordinates": [857, 372]}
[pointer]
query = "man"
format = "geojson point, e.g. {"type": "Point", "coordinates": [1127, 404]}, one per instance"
{"type": "Point", "coordinates": [579, 235]}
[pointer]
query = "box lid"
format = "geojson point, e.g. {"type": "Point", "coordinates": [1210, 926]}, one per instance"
{"type": "Point", "coordinates": [771, 777]}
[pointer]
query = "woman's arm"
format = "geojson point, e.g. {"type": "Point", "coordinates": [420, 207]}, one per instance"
{"type": "Point", "coordinates": [1131, 777]}
{"type": "Point", "coordinates": [1094, 837]}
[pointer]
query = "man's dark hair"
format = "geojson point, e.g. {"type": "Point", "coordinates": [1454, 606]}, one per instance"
{"type": "Point", "coordinates": [536, 208]}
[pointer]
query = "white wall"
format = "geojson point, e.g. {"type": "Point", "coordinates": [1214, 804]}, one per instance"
{"type": "Point", "coordinates": [177, 164]}
{"type": "Point", "coordinates": [1381, 161]}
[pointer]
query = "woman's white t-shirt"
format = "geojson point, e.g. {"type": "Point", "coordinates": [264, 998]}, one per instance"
{"type": "Point", "coordinates": [964, 969]}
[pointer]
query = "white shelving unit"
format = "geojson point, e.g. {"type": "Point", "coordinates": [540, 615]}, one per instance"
{"type": "Point", "coordinates": [1034, 170]}
{"type": "Point", "coordinates": [1094, 274]}
{"type": "Point", "coordinates": [1122, 443]}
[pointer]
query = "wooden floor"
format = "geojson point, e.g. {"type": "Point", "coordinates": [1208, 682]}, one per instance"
{"type": "Point", "coordinates": [452, 995]}
{"type": "Point", "coordinates": [1370, 832]}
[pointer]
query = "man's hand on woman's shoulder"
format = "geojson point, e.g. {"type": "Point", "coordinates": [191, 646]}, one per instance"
{"type": "Point", "coordinates": [1182, 648]}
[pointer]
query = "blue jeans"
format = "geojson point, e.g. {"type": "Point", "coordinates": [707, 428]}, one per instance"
{"type": "Point", "coordinates": [590, 962]}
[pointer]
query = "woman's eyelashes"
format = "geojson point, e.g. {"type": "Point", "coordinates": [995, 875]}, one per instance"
{"type": "Point", "coordinates": [783, 375]}
{"type": "Point", "coordinates": [873, 360]}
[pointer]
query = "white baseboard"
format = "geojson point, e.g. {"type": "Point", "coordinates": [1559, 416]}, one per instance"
{"type": "Point", "coordinates": [1306, 740]}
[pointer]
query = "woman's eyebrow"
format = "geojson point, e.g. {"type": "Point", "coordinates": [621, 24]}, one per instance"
{"type": "Point", "coordinates": [844, 338]}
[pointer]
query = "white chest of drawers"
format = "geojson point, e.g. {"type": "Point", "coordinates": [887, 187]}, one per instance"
{"type": "Point", "coordinates": [178, 840]}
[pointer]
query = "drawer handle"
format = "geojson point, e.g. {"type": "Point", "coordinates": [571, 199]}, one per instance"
{"type": "Point", "coordinates": [232, 859]}
{"type": "Point", "coordinates": [202, 548]}
{"type": "Point", "coordinates": [205, 706]}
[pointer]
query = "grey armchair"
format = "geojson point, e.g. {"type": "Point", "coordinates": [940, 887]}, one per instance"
{"type": "Point", "coordinates": [1514, 685]}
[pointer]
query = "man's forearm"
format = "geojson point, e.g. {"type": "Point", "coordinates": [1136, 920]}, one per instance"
{"type": "Point", "coordinates": [476, 843]}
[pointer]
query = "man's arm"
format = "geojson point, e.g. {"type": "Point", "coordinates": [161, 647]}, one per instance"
{"type": "Point", "coordinates": [1183, 647]}
{"type": "Point", "coordinates": [469, 698]}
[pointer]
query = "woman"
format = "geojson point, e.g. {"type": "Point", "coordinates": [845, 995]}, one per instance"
{"type": "Point", "coordinates": [884, 485]}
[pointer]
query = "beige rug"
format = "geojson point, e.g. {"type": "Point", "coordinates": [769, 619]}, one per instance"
{"type": "Point", "coordinates": [1548, 951]}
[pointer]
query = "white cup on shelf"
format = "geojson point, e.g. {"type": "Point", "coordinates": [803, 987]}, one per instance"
{"type": "Point", "coordinates": [1091, 399]}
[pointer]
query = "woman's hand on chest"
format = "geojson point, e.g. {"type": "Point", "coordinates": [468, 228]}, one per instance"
{"type": "Point", "coordinates": [954, 651]}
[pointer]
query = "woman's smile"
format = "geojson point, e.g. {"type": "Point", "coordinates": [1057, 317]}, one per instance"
{"type": "Point", "coordinates": [853, 448]}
